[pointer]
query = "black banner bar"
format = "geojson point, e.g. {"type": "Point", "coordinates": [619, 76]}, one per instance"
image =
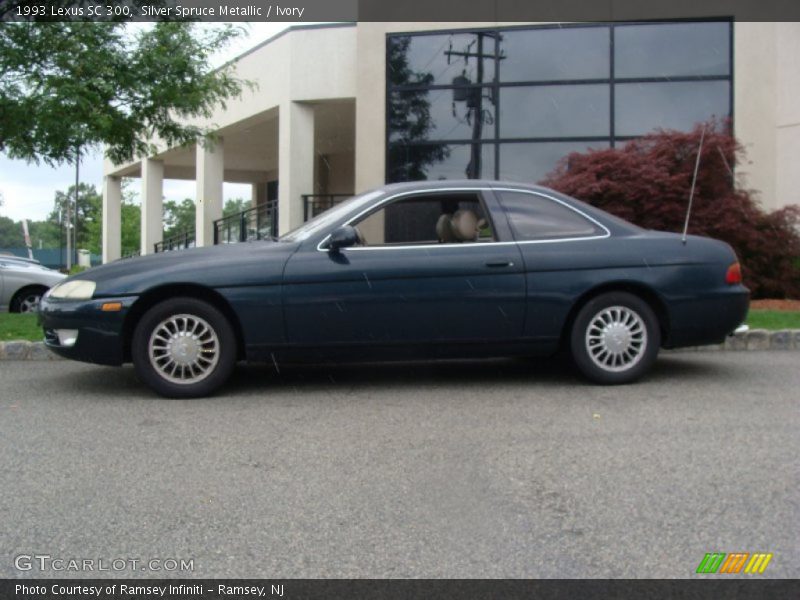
{"type": "Point", "coordinates": [306, 11]}
{"type": "Point", "coordinates": [427, 589]}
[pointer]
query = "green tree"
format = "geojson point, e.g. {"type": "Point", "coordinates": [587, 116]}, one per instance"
{"type": "Point", "coordinates": [89, 220]}
{"type": "Point", "coordinates": [10, 234]}
{"type": "Point", "coordinates": [234, 206]}
{"type": "Point", "coordinates": [131, 220]}
{"type": "Point", "coordinates": [45, 234]}
{"type": "Point", "coordinates": [179, 217]}
{"type": "Point", "coordinates": [68, 86]}
{"type": "Point", "coordinates": [131, 227]}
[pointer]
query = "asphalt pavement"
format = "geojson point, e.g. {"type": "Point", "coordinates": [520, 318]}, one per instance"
{"type": "Point", "coordinates": [467, 469]}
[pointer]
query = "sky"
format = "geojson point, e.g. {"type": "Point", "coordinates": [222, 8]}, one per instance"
{"type": "Point", "coordinates": [28, 190]}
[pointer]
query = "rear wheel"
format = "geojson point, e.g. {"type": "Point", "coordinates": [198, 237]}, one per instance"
{"type": "Point", "coordinates": [184, 348]}
{"type": "Point", "coordinates": [615, 338]}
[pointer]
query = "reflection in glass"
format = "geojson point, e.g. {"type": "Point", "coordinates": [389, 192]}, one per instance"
{"type": "Point", "coordinates": [643, 107]}
{"type": "Point", "coordinates": [672, 49]}
{"type": "Point", "coordinates": [429, 128]}
{"type": "Point", "coordinates": [443, 119]}
{"type": "Point", "coordinates": [415, 163]}
{"type": "Point", "coordinates": [549, 111]}
{"type": "Point", "coordinates": [532, 162]}
{"type": "Point", "coordinates": [428, 63]}
{"type": "Point", "coordinates": [553, 54]}
{"type": "Point", "coordinates": [409, 115]}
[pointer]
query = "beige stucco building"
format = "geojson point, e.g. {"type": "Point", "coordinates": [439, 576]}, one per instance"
{"type": "Point", "coordinates": [496, 100]}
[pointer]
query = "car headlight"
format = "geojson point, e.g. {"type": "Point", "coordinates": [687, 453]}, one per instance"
{"type": "Point", "coordinates": [80, 289]}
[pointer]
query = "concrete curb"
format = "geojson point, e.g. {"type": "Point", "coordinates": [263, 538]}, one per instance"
{"type": "Point", "coordinates": [24, 350]}
{"type": "Point", "coordinates": [755, 339]}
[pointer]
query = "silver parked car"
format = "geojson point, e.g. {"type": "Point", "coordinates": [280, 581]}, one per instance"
{"type": "Point", "coordinates": [23, 282]}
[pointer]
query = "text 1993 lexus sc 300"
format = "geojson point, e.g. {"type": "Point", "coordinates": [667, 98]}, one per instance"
{"type": "Point", "coordinates": [411, 271]}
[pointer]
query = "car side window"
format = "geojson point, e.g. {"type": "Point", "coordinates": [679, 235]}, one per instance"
{"type": "Point", "coordinates": [427, 219]}
{"type": "Point", "coordinates": [534, 217]}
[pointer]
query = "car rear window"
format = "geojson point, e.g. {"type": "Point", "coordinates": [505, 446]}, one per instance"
{"type": "Point", "coordinates": [535, 217]}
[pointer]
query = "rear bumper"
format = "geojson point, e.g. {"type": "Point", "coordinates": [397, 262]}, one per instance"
{"type": "Point", "coordinates": [100, 334]}
{"type": "Point", "coordinates": [708, 320]}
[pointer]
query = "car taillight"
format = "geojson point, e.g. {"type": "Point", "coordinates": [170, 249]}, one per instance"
{"type": "Point", "coordinates": [734, 274]}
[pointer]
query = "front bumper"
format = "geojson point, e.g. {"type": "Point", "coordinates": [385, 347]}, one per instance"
{"type": "Point", "coordinates": [100, 333]}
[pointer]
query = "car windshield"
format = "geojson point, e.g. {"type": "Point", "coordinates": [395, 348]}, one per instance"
{"type": "Point", "coordinates": [331, 215]}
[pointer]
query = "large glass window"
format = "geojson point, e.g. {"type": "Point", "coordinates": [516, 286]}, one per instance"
{"type": "Point", "coordinates": [434, 115]}
{"type": "Point", "coordinates": [643, 107]}
{"type": "Point", "coordinates": [554, 111]}
{"type": "Point", "coordinates": [672, 49]}
{"type": "Point", "coordinates": [510, 103]}
{"type": "Point", "coordinates": [527, 162]}
{"type": "Point", "coordinates": [555, 54]}
{"type": "Point", "coordinates": [433, 162]}
{"type": "Point", "coordinates": [437, 59]}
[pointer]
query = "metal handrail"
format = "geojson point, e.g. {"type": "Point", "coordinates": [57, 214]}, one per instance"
{"type": "Point", "coordinates": [256, 223]}
{"type": "Point", "coordinates": [314, 204]}
{"type": "Point", "coordinates": [179, 241]}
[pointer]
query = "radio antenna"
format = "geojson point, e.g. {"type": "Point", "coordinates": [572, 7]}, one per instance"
{"type": "Point", "coordinates": [694, 183]}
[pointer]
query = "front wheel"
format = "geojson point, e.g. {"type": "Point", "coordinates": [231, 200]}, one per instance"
{"type": "Point", "coordinates": [183, 348]}
{"type": "Point", "coordinates": [27, 301]}
{"type": "Point", "coordinates": [615, 338]}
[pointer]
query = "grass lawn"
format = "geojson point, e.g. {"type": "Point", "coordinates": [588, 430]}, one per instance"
{"type": "Point", "coordinates": [19, 327]}
{"type": "Point", "coordinates": [774, 319]}
{"type": "Point", "coordinates": [24, 327]}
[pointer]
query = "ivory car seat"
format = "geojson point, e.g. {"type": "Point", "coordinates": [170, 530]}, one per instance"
{"type": "Point", "coordinates": [464, 225]}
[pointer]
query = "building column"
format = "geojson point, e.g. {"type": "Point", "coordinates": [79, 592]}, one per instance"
{"type": "Point", "coordinates": [254, 194]}
{"type": "Point", "coordinates": [295, 162]}
{"type": "Point", "coordinates": [112, 210]}
{"type": "Point", "coordinates": [152, 204]}
{"type": "Point", "coordinates": [258, 194]}
{"type": "Point", "coordinates": [210, 176]}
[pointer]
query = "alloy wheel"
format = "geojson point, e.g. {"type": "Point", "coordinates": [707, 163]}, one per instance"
{"type": "Point", "coordinates": [616, 338]}
{"type": "Point", "coordinates": [184, 349]}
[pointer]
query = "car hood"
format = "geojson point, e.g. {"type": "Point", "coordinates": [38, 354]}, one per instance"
{"type": "Point", "coordinates": [36, 273]}
{"type": "Point", "coordinates": [226, 265]}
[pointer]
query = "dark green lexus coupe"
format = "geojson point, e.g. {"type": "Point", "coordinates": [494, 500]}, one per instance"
{"type": "Point", "coordinates": [409, 271]}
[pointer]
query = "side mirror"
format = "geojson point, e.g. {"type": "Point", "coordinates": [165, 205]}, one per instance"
{"type": "Point", "coordinates": [342, 237]}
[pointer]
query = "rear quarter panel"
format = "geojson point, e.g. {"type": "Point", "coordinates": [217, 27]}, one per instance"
{"type": "Point", "coordinates": [687, 279]}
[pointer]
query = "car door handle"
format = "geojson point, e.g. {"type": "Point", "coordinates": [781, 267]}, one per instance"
{"type": "Point", "coordinates": [499, 263]}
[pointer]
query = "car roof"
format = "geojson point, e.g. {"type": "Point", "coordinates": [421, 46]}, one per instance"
{"type": "Point", "coordinates": [615, 224]}
{"type": "Point", "coordinates": [460, 183]}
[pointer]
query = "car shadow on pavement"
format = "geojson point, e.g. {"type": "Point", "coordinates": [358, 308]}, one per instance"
{"type": "Point", "coordinates": [248, 379]}
{"type": "Point", "coordinates": [556, 371]}
{"type": "Point", "coordinates": [400, 374]}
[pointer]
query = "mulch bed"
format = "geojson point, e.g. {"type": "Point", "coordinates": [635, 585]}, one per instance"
{"type": "Point", "coordinates": [776, 304]}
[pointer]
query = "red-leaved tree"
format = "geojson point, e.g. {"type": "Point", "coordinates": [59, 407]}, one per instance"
{"type": "Point", "coordinates": [647, 182]}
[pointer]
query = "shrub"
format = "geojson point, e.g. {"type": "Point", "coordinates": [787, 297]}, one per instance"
{"type": "Point", "coordinates": [647, 181]}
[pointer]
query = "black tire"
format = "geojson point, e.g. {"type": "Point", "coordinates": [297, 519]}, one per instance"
{"type": "Point", "coordinates": [27, 299]}
{"type": "Point", "coordinates": [208, 356]}
{"type": "Point", "coordinates": [622, 351]}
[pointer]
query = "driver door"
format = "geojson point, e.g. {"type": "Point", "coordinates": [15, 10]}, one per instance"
{"type": "Point", "coordinates": [405, 285]}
